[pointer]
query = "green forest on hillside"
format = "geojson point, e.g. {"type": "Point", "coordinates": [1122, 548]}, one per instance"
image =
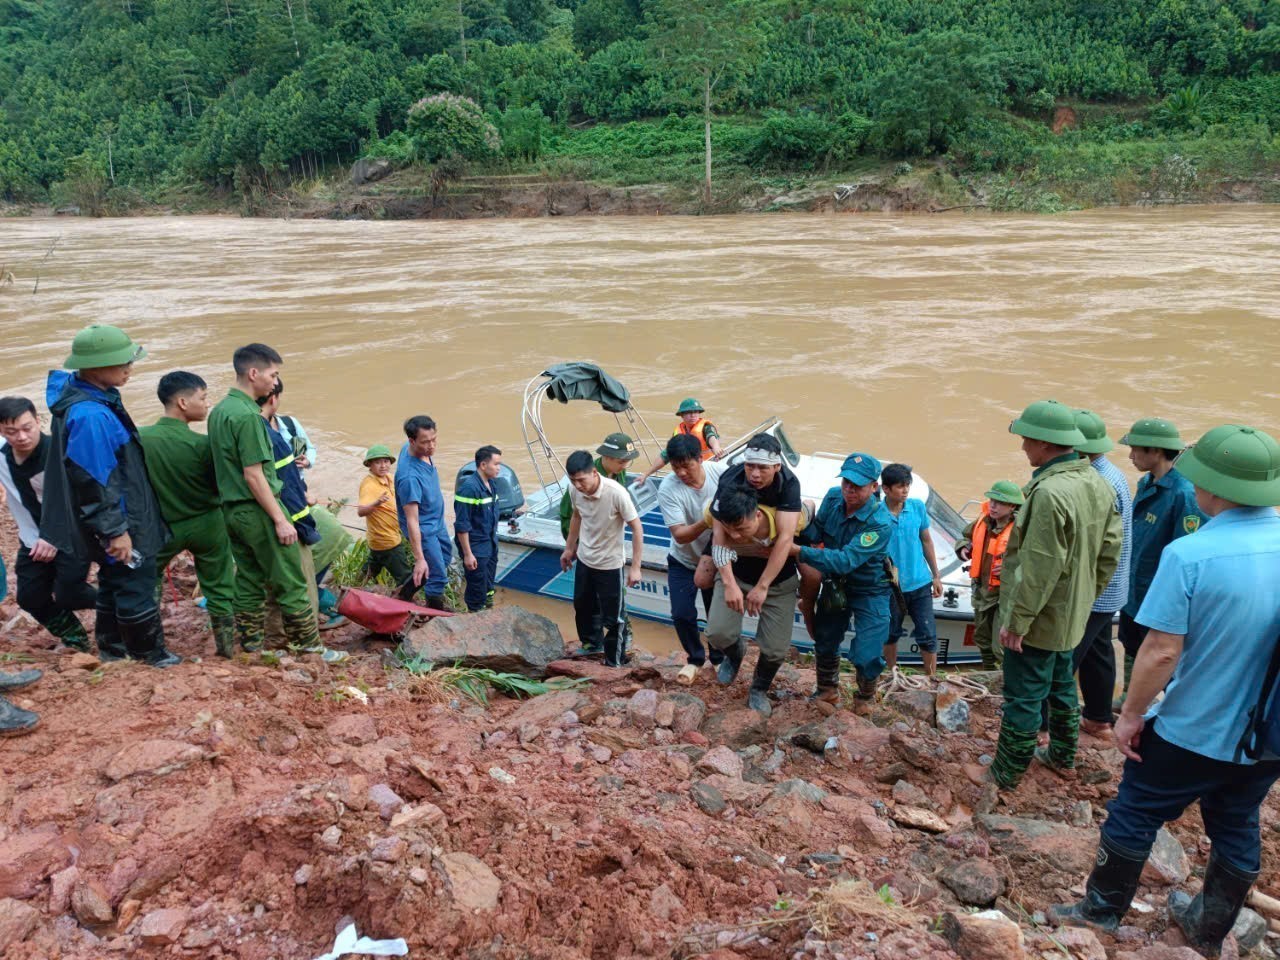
{"type": "Point", "coordinates": [131, 99]}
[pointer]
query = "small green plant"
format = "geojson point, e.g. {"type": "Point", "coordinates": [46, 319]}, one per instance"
{"type": "Point", "coordinates": [441, 684]}
{"type": "Point", "coordinates": [886, 896]}
{"type": "Point", "coordinates": [782, 905]}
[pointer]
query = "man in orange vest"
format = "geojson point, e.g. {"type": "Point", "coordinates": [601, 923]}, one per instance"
{"type": "Point", "coordinates": [983, 543]}
{"type": "Point", "coordinates": [692, 424]}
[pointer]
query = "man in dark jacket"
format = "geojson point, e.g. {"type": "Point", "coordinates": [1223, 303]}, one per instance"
{"type": "Point", "coordinates": [98, 501]}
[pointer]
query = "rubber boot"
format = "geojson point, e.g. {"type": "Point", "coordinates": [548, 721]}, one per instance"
{"type": "Point", "coordinates": [827, 691]}
{"type": "Point", "coordinates": [866, 688]}
{"type": "Point", "coordinates": [1118, 703]}
{"type": "Point", "coordinates": [1108, 891]}
{"type": "Point", "coordinates": [727, 672]}
{"type": "Point", "coordinates": [1014, 750]}
{"type": "Point", "coordinates": [14, 721]}
{"type": "Point", "coordinates": [1208, 917]}
{"type": "Point", "coordinates": [302, 634]}
{"type": "Point", "coordinates": [438, 602]}
{"type": "Point", "coordinates": [251, 629]}
{"type": "Point", "coordinates": [144, 640]}
{"type": "Point", "coordinates": [106, 634]}
{"type": "Point", "coordinates": [223, 626]}
{"type": "Point", "coordinates": [758, 697]}
{"type": "Point", "coordinates": [16, 681]}
{"type": "Point", "coordinates": [66, 626]}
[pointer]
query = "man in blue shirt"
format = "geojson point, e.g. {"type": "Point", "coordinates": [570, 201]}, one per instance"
{"type": "Point", "coordinates": [1164, 509]}
{"type": "Point", "coordinates": [853, 529]}
{"type": "Point", "coordinates": [420, 509]}
{"type": "Point", "coordinates": [1094, 659]}
{"type": "Point", "coordinates": [911, 548]}
{"type": "Point", "coordinates": [475, 524]}
{"type": "Point", "coordinates": [1212, 618]}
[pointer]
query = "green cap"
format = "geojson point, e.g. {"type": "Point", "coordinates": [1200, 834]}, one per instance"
{"type": "Point", "coordinates": [1153, 432]}
{"type": "Point", "coordinates": [619, 446]}
{"type": "Point", "coordinates": [1006, 491]}
{"type": "Point", "coordinates": [1240, 464]}
{"type": "Point", "coordinates": [689, 405]}
{"type": "Point", "coordinates": [1095, 433]}
{"type": "Point", "coordinates": [101, 345]}
{"type": "Point", "coordinates": [1050, 421]}
{"type": "Point", "coordinates": [379, 451]}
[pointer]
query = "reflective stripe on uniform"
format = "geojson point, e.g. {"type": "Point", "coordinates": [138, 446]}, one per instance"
{"type": "Point", "coordinates": [304, 512]}
{"type": "Point", "coordinates": [474, 501]}
{"type": "Point", "coordinates": [285, 461]}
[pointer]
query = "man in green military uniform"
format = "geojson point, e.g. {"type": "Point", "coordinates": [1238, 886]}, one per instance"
{"type": "Point", "coordinates": [180, 465]}
{"type": "Point", "coordinates": [983, 544]}
{"type": "Point", "coordinates": [263, 539]}
{"type": "Point", "coordinates": [1064, 547]}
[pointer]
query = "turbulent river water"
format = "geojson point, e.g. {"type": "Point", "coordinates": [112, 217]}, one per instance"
{"type": "Point", "coordinates": [915, 338]}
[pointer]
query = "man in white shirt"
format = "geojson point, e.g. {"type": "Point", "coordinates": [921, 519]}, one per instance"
{"type": "Point", "coordinates": [601, 509]}
{"type": "Point", "coordinates": [683, 497]}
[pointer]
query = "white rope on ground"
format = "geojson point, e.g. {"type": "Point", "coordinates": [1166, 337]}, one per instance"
{"type": "Point", "coordinates": [898, 680]}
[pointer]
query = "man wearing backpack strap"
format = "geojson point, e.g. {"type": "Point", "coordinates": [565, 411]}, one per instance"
{"type": "Point", "coordinates": [1213, 618]}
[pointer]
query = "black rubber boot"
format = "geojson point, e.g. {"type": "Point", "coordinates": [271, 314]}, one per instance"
{"type": "Point", "coordinates": [144, 639]}
{"type": "Point", "coordinates": [866, 687]}
{"type": "Point", "coordinates": [16, 681]}
{"type": "Point", "coordinates": [1208, 917]}
{"type": "Point", "coordinates": [727, 672]}
{"type": "Point", "coordinates": [438, 602]}
{"type": "Point", "coordinates": [106, 634]}
{"type": "Point", "coordinates": [223, 626]}
{"type": "Point", "coordinates": [828, 688]}
{"type": "Point", "coordinates": [14, 721]}
{"type": "Point", "coordinates": [758, 697]}
{"type": "Point", "coordinates": [66, 626]}
{"type": "Point", "coordinates": [1108, 891]}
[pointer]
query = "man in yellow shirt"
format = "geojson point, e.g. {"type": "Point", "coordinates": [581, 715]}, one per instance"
{"type": "Point", "coordinates": [378, 507]}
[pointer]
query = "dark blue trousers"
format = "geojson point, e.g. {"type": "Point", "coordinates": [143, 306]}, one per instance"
{"type": "Point", "coordinates": [479, 593]}
{"type": "Point", "coordinates": [684, 612]}
{"type": "Point", "coordinates": [1169, 779]}
{"type": "Point", "coordinates": [925, 628]}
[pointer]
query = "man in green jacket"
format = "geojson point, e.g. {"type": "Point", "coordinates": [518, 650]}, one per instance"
{"type": "Point", "coordinates": [1063, 550]}
{"type": "Point", "coordinates": [180, 465]}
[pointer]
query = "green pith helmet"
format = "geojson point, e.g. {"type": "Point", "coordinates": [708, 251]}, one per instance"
{"type": "Point", "coordinates": [1050, 421]}
{"type": "Point", "coordinates": [1095, 433]}
{"type": "Point", "coordinates": [1153, 432]}
{"type": "Point", "coordinates": [1006, 491]}
{"type": "Point", "coordinates": [689, 405]}
{"type": "Point", "coordinates": [101, 345]}
{"type": "Point", "coordinates": [1240, 464]}
{"type": "Point", "coordinates": [619, 446]}
{"type": "Point", "coordinates": [379, 451]}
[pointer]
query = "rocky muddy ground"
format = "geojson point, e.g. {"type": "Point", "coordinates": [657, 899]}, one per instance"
{"type": "Point", "coordinates": [237, 809]}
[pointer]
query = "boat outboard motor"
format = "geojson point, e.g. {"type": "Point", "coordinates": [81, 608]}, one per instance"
{"type": "Point", "coordinates": [506, 485]}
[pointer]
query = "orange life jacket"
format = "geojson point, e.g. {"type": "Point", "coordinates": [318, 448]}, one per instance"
{"type": "Point", "coordinates": [696, 431]}
{"type": "Point", "coordinates": [995, 546]}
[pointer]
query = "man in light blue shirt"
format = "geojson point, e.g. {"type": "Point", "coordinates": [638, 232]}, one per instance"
{"type": "Point", "coordinates": [911, 549]}
{"type": "Point", "coordinates": [1213, 619]}
{"type": "Point", "coordinates": [420, 510]}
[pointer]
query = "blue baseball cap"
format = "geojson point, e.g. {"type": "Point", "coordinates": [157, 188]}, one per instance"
{"type": "Point", "coordinates": [860, 468]}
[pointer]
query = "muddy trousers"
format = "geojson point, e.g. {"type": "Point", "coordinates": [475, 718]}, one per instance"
{"type": "Point", "coordinates": [262, 562]}
{"type": "Point", "coordinates": [479, 592]}
{"type": "Point", "coordinates": [986, 636]}
{"type": "Point", "coordinates": [773, 630]}
{"type": "Point", "coordinates": [684, 612]}
{"type": "Point", "coordinates": [275, 633]}
{"type": "Point", "coordinates": [869, 615]}
{"type": "Point", "coordinates": [205, 538]}
{"type": "Point", "coordinates": [51, 590]}
{"type": "Point", "coordinates": [1032, 678]}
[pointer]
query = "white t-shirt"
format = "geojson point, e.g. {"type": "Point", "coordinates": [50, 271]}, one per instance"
{"type": "Point", "coordinates": [681, 504]}
{"type": "Point", "coordinates": [602, 519]}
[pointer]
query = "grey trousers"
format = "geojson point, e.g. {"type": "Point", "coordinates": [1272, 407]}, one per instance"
{"type": "Point", "coordinates": [777, 619]}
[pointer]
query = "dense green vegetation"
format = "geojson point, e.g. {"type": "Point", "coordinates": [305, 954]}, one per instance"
{"type": "Point", "coordinates": [107, 101]}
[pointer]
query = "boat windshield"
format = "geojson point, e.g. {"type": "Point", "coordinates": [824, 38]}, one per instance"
{"type": "Point", "coordinates": [788, 451]}
{"type": "Point", "coordinates": [945, 516]}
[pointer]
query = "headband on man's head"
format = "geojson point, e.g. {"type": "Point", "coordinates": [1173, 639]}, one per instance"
{"type": "Point", "coordinates": [762, 457]}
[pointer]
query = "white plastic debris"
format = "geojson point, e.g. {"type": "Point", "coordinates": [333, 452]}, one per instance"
{"type": "Point", "coordinates": [355, 693]}
{"type": "Point", "coordinates": [348, 942]}
{"type": "Point", "coordinates": [501, 775]}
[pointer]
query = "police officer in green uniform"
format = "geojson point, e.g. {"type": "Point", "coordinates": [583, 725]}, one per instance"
{"type": "Point", "coordinates": [263, 539]}
{"type": "Point", "coordinates": [180, 465]}
{"type": "Point", "coordinates": [1164, 509]}
{"type": "Point", "coordinates": [1063, 550]}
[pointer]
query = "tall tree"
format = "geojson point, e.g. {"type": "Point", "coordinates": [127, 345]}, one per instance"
{"type": "Point", "coordinates": [705, 46]}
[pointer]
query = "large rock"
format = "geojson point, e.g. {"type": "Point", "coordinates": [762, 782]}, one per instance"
{"type": "Point", "coordinates": [1028, 842]}
{"type": "Point", "coordinates": [91, 904]}
{"type": "Point", "coordinates": [470, 881]}
{"type": "Point", "coordinates": [688, 714]}
{"type": "Point", "coordinates": [975, 882]}
{"type": "Point", "coordinates": [1168, 863]}
{"type": "Point", "coordinates": [917, 704]}
{"type": "Point", "coordinates": [952, 710]}
{"type": "Point", "coordinates": [161, 927]}
{"type": "Point", "coordinates": [506, 639]}
{"type": "Point", "coordinates": [988, 935]}
{"type": "Point", "coordinates": [721, 760]}
{"type": "Point", "coordinates": [151, 758]}
{"type": "Point", "coordinates": [368, 169]}
{"type": "Point", "coordinates": [642, 709]}
{"type": "Point", "coordinates": [27, 858]}
{"type": "Point", "coordinates": [542, 712]}
{"type": "Point", "coordinates": [1250, 929]}
{"type": "Point", "coordinates": [736, 728]}
{"type": "Point", "coordinates": [17, 920]}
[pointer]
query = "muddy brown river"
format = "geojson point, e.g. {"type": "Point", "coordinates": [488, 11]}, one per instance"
{"type": "Point", "coordinates": [916, 338]}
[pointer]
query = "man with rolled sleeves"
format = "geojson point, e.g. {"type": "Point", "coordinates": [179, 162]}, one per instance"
{"type": "Point", "coordinates": [846, 545]}
{"type": "Point", "coordinates": [1211, 612]}
{"type": "Point", "coordinates": [263, 539]}
{"type": "Point", "coordinates": [1164, 509]}
{"type": "Point", "coordinates": [98, 503]}
{"type": "Point", "coordinates": [1062, 552]}
{"type": "Point", "coordinates": [180, 465]}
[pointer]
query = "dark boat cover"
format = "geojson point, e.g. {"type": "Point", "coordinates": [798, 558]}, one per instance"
{"type": "Point", "coordinates": [586, 381]}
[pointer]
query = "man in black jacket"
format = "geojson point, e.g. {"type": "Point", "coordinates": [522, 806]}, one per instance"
{"type": "Point", "coordinates": [98, 502]}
